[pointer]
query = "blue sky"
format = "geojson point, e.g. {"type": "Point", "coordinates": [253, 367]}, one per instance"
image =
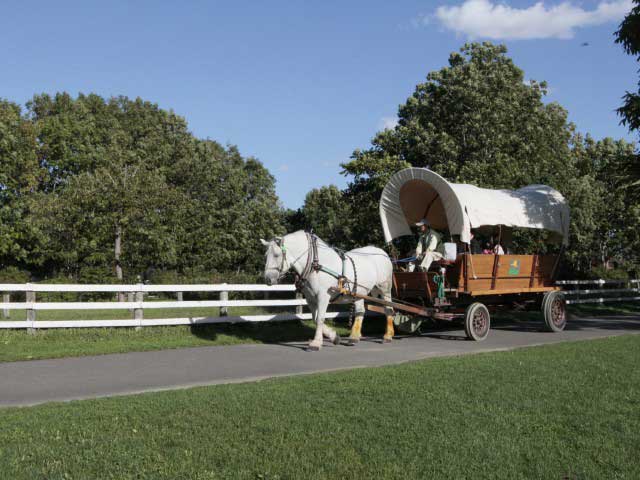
{"type": "Point", "coordinates": [300, 85]}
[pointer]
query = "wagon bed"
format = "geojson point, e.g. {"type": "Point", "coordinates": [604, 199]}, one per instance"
{"type": "Point", "coordinates": [481, 275]}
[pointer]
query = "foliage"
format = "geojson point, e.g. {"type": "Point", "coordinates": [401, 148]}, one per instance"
{"type": "Point", "coordinates": [628, 35]}
{"type": "Point", "coordinates": [326, 212]}
{"type": "Point", "coordinates": [597, 273]}
{"type": "Point", "coordinates": [474, 121]}
{"type": "Point", "coordinates": [19, 174]}
{"type": "Point", "coordinates": [478, 121]}
{"type": "Point", "coordinates": [604, 224]}
{"type": "Point", "coordinates": [13, 275]}
{"type": "Point", "coordinates": [110, 188]}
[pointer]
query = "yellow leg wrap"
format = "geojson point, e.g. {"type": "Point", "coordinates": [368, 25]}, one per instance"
{"type": "Point", "coordinates": [356, 329]}
{"type": "Point", "coordinates": [388, 335]}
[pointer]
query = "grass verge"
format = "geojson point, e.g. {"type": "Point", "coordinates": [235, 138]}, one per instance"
{"type": "Point", "coordinates": [562, 411]}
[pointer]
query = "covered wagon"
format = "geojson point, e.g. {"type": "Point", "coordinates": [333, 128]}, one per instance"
{"type": "Point", "coordinates": [466, 285]}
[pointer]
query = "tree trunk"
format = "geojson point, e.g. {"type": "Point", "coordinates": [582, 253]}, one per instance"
{"type": "Point", "coordinates": [117, 252]}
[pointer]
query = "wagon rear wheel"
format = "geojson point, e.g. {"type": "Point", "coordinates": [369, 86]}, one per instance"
{"type": "Point", "coordinates": [477, 322]}
{"type": "Point", "coordinates": [554, 311]}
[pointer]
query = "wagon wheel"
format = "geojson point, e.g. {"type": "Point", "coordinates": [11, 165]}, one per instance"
{"type": "Point", "coordinates": [554, 311]}
{"type": "Point", "coordinates": [477, 322]}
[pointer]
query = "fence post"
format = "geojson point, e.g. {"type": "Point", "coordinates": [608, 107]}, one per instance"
{"type": "Point", "coordinates": [299, 308]}
{"type": "Point", "coordinates": [31, 313]}
{"type": "Point", "coordinates": [179, 296]}
{"type": "Point", "coordinates": [6, 298]}
{"type": "Point", "coordinates": [131, 297]}
{"type": "Point", "coordinates": [224, 297]}
{"type": "Point", "coordinates": [138, 311]}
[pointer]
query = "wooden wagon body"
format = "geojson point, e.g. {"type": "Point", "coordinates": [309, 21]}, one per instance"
{"type": "Point", "coordinates": [482, 275]}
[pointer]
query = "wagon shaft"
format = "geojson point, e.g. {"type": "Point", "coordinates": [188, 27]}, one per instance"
{"type": "Point", "coordinates": [415, 309]}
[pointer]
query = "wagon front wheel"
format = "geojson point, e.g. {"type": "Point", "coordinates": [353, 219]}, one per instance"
{"type": "Point", "coordinates": [477, 322]}
{"type": "Point", "coordinates": [554, 311]}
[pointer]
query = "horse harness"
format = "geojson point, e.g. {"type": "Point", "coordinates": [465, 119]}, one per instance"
{"type": "Point", "coordinates": [313, 265]}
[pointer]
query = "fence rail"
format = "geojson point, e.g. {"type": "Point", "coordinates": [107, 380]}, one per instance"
{"type": "Point", "coordinates": [604, 292]}
{"type": "Point", "coordinates": [136, 305]}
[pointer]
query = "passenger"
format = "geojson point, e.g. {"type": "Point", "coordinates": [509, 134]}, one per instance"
{"type": "Point", "coordinates": [487, 249]}
{"type": "Point", "coordinates": [430, 246]}
{"type": "Point", "coordinates": [474, 244]}
{"type": "Point", "coordinates": [498, 250]}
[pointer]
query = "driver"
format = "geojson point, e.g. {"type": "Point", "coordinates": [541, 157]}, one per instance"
{"type": "Point", "coordinates": [430, 246]}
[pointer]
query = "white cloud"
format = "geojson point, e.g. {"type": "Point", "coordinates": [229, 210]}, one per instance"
{"type": "Point", "coordinates": [388, 123]}
{"type": "Point", "coordinates": [481, 18]}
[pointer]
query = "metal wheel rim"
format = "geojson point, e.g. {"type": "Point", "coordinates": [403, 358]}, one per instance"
{"type": "Point", "coordinates": [558, 312]}
{"type": "Point", "coordinates": [480, 323]}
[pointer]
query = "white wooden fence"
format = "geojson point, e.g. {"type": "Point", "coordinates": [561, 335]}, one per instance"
{"type": "Point", "coordinates": [601, 293]}
{"type": "Point", "coordinates": [136, 305]}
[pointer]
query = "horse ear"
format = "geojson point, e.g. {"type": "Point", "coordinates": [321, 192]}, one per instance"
{"type": "Point", "coordinates": [264, 242]}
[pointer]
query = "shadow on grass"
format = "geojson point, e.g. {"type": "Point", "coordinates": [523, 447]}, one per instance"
{"type": "Point", "coordinates": [284, 332]}
{"type": "Point", "coordinates": [263, 332]}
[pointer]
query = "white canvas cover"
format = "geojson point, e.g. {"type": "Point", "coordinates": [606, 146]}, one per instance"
{"type": "Point", "coordinates": [416, 193]}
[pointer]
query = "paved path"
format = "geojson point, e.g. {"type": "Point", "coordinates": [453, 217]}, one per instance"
{"type": "Point", "coordinates": [34, 382]}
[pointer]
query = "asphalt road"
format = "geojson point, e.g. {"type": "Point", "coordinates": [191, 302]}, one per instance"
{"type": "Point", "coordinates": [40, 381]}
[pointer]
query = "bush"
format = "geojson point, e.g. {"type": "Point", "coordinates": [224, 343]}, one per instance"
{"type": "Point", "coordinates": [603, 273]}
{"type": "Point", "coordinates": [14, 275]}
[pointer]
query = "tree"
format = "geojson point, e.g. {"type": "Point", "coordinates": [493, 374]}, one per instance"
{"type": "Point", "coordinates": [230, 203]}
{"type": "Point", "coordinates": [628, 35]}
{"type": "Point", "coordinates": [113, 217]}
{"type": "Point", "coordinates": [127, 188]}
{"type": "Point", "coordinates": [19, 175]}
{"type": "Point", "coordinates": [105, 164]}
{"type": "Point", "coordinates": [474, 121]}
{"type": "Point", "coordinates": [327, 213]}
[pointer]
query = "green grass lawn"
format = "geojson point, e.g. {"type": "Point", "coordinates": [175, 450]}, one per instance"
{"type": "Point", "coordinates": [567, 411]}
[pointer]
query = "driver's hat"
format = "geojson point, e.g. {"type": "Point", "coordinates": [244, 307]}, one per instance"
{"type": "Point", "coordinates": [422, 222]}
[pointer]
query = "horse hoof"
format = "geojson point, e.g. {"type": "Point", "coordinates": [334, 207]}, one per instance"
{"type": "Point", "coordinates": [337, 339]}
{"type": "Point", "coordinates": [311, 348]}
{"type": "Point", "coordinates": [352, 342]}
{"type": "Point", "coordinates": [386, 340]}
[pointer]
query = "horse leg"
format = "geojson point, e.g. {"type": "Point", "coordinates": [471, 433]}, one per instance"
{"type": "Point", "coordinates": [321, 311]}
{"type": "Point", "coordinates": [356, 328]}
{"type": "Point", "coordinates": [331, 334]}
{"type": "Point", "coordinates": [388, 311]}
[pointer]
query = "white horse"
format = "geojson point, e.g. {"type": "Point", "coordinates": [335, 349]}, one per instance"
{"type": "Point", "coordinates": [319, 268]}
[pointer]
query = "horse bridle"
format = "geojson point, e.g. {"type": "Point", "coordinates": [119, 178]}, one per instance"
{"type": "Point", "coordinates": [283, 269]}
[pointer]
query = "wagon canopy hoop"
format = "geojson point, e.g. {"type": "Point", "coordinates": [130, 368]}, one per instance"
{"type": "Point", "coordinates": [416, 193]}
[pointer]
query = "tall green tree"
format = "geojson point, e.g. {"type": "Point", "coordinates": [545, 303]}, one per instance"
{"type": "Point", "coordinates": [475, 121]}
{"type": "Point", "coordinates": [326, 212]}
{"type": "Point", "coordinates": [628, 35]}
{"type": "Point", "coordinates": [19, 176]}
{"type": "Point", "coordinates": [127, 188]}
{"type": "Point", "coordinates": [603, 222]}
{"type": "Point", "coordinates": [230, 204]}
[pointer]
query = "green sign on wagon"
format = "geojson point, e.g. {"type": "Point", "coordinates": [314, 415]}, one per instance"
{"type": "Point", "coordinates": [514, 267]}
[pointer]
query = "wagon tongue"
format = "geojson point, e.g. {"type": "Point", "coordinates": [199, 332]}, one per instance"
{"type": "Point", "coordinates": [405, 307]}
